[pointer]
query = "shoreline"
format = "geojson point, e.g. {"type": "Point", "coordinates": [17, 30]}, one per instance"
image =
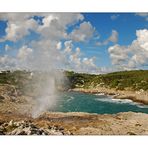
{"type": "Point", "coordinates": [135, 96]}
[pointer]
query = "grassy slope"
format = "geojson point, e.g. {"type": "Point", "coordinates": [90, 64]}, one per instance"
{"type": "Point", "coordinates": [132, 80]}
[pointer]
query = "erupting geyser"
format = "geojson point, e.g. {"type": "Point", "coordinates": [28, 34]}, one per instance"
{"type": "Point", "coordinates": [47, 97]}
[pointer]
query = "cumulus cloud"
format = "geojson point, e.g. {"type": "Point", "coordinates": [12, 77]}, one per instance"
{"type": "Point", "coordinates": [59, 45]}
{"type": "Point", "coordinates": [118, 54]}
{"type": "Point", "coordinates": [7, 62]}
{"type": "Point", "coordinates": [82, 64]}
{"type": "Point", "coordinates": [47, 52]}
{"type": "Point", "coordinates": [83, 32]}
{"type": "Point", "coordinates": [24, 52]}
{"type": "Point", "coordinates": [75, 58]}
{"type": "Point", "coordinates": [19, 29]}
{"type": "Point", "coordinates": [142, 38]}
{"type": "Point", "coordinates": [131, 56]}
{"type": "Point", "coordinates": [89, 64]}
{"type": "Point", "coordinates": [68, 46]}
{"type": "Point", "coordinates": [53, 25]}
{"type": "Point", "coordinates": [112, 38]}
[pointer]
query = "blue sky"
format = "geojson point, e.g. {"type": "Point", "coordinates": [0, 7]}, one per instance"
{"type": "Point", "coordinates": [104, 39]}
{"type": "Point", "coordinates": [126, 25]}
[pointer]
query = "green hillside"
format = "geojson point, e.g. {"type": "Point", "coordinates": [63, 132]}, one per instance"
{"type": "Point", "coordinates": [133, 80]}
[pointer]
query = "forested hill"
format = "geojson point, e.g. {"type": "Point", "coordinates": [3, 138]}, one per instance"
{"type": "Point", "coordinates": [132, 80]}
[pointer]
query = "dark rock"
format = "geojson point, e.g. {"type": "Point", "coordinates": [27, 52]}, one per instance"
{"type": "Point", "coordinates": [2, 98]}
{"type": "Point", "coordinates": [2, 133]}
{"type": "Point", "coordinates": [32, 126]}
{"type": "Point", "coordinates": [138, 124]}
{"type": "Point", "coordinates": [1, 122]}
{"type": "Point", "coordinates": [131, 133]}
{"type": "Point", "coordinates": [111, 94]}
{"type": "Point", "coordinates": [22, 133]}
{"type": "Point", "coordinates": [61, 128]}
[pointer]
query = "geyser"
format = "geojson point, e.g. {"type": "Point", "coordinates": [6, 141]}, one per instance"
{"type": "Point", "coordinates": [47, 95]}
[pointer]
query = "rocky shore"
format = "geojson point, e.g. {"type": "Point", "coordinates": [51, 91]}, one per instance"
{"type": "Point", "coordinates": [136, 96]}
{"type": "Point", "coordinates": [75, 124]}
{"type": "Point", "coordinates": [15, 118]}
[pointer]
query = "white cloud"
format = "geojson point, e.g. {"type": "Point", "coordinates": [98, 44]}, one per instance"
{"type": "Point", "coordinates": [68, 46]}
{"type": "Point", "coordinates": [112, 38]}
{"type": "Point", "coordinates": [75, 58]}
{"type": "Point", "coordinates": [24, 52]}
{"type": "Point", "coordinates": [7, 62]}
{"type": "Point", "coordinates": [7, 47]}
{"type": "Point", "coordinates": [114, 17]}
{"type": "Point", "coordinates": [118, 54]}
{"type": "Point", "coordinates": [59, 45]}
{"type": "Point", "coordinates": [144, 15]}
{"type": "Point", "coordinates": [55, 24]}
{"type": "Point", "coordinates": [15, 17]}
{"type": "Point", "coordinates": [142, 38]}
{"type": "Point", "coordinates": [89, 62]}
{"type": "Point", "coordinates": [47, 52]}
{"type": "Point", "coordinates": [83, 33]}
{"type": "Point", "coordinates": [132, 56]}
{"type": "Point", "coordinates": [82, 64]}
{"type": "Point", "coordinates": [16, 31]}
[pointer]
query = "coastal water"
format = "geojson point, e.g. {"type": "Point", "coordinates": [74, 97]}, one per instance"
{"type": "Point", "coordinates": [99, 103]}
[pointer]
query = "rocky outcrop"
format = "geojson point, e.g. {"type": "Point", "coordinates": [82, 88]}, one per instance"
{"type": "Point", "coordinates": [52, 123]}
{"type": "Point", "coordinates": [27, 128]}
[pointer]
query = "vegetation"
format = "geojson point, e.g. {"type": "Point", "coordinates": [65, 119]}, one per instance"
{"type": "Point", "coordinates": [133, 80]}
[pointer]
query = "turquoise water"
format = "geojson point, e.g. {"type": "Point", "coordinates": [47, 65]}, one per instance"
{"type": "Point", "coordinates": [81, 102]}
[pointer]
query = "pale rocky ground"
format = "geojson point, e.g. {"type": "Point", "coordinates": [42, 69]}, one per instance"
{"type": "Point", "coordinates": [15, 119]}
